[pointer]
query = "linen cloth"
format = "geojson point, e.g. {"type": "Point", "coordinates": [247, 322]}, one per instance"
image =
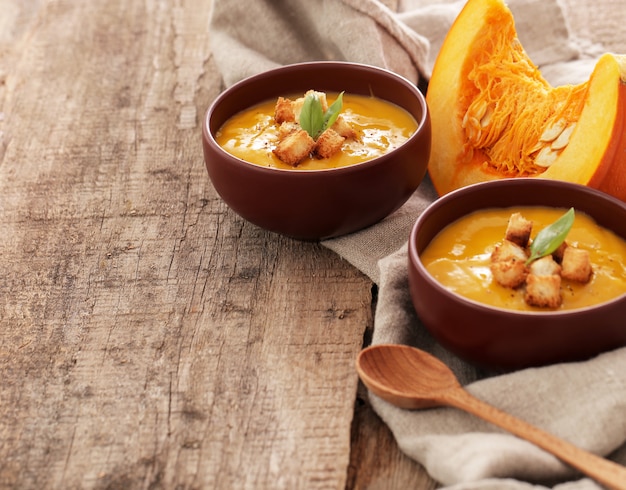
{"type": "Point", "coordinates": [584, 402]}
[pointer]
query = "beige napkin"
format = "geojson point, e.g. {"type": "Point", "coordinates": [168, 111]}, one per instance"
{"type": "Point", "coordinates": [582, 402]}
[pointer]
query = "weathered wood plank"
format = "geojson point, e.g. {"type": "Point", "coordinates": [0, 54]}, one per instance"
{"type": "Point", "coordinates": [148, 336]}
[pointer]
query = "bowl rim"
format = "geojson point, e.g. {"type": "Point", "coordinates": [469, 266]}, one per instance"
{"type": "Point", "coordinates": [207, 135]}
{"type": "Point", "coordinates": [415, 260]}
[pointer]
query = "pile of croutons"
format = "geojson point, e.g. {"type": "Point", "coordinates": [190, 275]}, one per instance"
{"type": "Point", "coordinates": [295, 144]}
{"type": "Point", "coordinates": [541, 279]}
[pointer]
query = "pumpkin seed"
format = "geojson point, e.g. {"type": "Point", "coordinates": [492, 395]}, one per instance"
{"type": "Point", "coordinates": [473, 130]}
{"type": "Point", "coordinates": [546, 157]}
{"type": "Point", "coordinates": [563, 139]}
{"type": "Point", "coordinates": [486, 118]}
{"type": "Point", "coordinates": [479, 109]}
{"type": "Point", "coordinates": [552, 132]}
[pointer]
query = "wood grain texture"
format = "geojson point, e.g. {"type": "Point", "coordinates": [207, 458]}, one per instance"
{"type": "Point", "coordinates": [376, 462]}
{"type": "Point", "coordinates": [150, 338]}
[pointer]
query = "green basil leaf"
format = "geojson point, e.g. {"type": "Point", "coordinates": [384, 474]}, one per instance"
{"type": "Point", "coordinates": [333, 111]}
{"type": "Point", "coordinates": [551, 237]}
{"type": "Point", "coordinates": [312, 116]}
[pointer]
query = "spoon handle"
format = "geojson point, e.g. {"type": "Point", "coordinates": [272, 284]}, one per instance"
{"type": "Point", "coordinates": [602, 470]}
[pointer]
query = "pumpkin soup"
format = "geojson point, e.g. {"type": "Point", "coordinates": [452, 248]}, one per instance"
{"type": "Point", "coordinates": [378, 127]}
{"type": "Point", "coordinates": [460, 258]}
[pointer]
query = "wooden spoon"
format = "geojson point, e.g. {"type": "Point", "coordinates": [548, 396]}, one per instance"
{"type": "Point", "coordinates": [411, 378]}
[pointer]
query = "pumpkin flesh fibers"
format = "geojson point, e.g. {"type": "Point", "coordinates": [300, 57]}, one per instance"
{"type": "Point", "coordinates": [495, 116]}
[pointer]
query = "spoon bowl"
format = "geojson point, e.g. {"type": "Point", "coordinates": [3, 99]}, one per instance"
{"type": "Point", "coordinates": [411, 378]}
{"type": "Point", "coordinates": [408, 378]}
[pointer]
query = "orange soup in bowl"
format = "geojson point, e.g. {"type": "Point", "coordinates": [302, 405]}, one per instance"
{"type": "Point", "coordinates": [379, 127]}
{"type": "Point", "coordinates": [460, 258]}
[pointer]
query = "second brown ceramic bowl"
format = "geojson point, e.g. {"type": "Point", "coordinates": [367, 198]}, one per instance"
{"type": "Point", "coordinates": [318, 204]}
{"type": "Point", "coordinates": [507, 339]}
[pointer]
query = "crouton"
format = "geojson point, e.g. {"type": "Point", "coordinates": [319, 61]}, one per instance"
{"type": "Point", "coordinates": [508, 250]}
{"type": "Point", "coordinates": [518, 229]}
{"type": "Point", "coordinates": [294, 147]}
{"type": "Point", "coordinates": [344, 128]}
{"type": "Point", "coordinates": [286, 128]}
{"type": "Point", "coordinates": [508, 264]}
{"type": "Point", "coordinates": [321, 96]}
{"type": "Point", "coordinates": [543, 291]}
{"type": "Point", "coordinates": [509, 273]}
{"type": "Point", "coordinates": [543, 283]}
{"type": "Point", "coordinates": [557, 255]}
{"type": "Point", "coordinates": [545, 266]}
{"type": "Point", "coordinates": [283, 111]}
{"type": "Point", "coordinates": [576, 265]}
{"type": "Point", "coordinates": [299, 102]}
{"type": "Point", "coordinates": [296, 105]}
{"type": "Point", "coordinates": [328, 143]}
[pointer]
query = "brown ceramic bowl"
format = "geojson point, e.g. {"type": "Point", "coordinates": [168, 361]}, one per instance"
{"type": "Point", "coordinates": [507, 339]}
{"type": "Point", "coordinates": [318, 204]}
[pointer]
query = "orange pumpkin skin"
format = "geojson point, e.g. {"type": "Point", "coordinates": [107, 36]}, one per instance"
{"type": "Point", "coordinates": [610, 175]}
{"type": "Point", "coordinates": [482, 65]}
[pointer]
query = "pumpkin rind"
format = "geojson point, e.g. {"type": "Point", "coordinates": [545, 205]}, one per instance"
{"type": "Point", "coordinates": [589, 120]}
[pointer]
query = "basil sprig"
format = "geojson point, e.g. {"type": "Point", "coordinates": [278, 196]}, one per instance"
{"type": "Point", "coordinates": [551, 237]}
{"type": "Point", "coordinates": [313, 119]}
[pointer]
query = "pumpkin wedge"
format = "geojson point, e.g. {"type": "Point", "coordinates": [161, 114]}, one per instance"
{"type": "Point", "coordinates": [494, 116]}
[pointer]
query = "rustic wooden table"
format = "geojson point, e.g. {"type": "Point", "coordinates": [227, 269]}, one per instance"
{"type": "Point", "coordinates": [149, 337]}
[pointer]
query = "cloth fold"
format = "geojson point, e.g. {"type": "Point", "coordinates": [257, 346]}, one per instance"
{"type": "Point", "coordinates": [250, 37]}
{"type": "Point", "coordinates": [584, 402]}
